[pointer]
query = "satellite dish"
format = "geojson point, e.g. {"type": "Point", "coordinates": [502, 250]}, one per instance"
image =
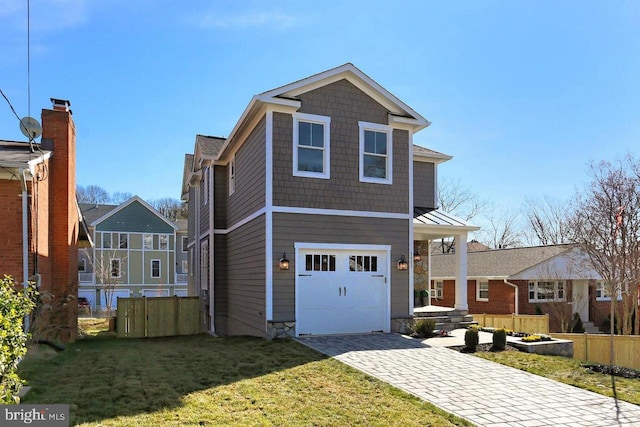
{"type": "Point", "coordinates": [30, 127]}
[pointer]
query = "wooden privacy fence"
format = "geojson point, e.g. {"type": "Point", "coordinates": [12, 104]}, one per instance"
{"type": "Point", "coordinates": [530, 324]}
{"type": "Point", "coordinates": [157, 317]}
{"type": "Point", "coordinates": [595, 348]}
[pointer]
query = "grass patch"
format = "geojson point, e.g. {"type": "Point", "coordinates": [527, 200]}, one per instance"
{"type": "Point", "coordinates": [201, 380]}
{"type": "Point", "coordinates": [568, 371]}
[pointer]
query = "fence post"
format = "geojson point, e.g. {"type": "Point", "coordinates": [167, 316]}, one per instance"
{"type": "Point", "coordinates": [586, 346]}
{"type": "Point", "coordinates": [176, 315]}
{"type": "Point", "coordinates": [513, 322]}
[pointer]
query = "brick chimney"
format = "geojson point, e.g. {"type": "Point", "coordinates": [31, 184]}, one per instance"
{"type": "Point", "coordinates": [59, 131]}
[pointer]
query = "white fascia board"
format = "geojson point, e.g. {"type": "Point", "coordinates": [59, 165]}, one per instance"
{"type": "Point", "coordinates": [435, 158]}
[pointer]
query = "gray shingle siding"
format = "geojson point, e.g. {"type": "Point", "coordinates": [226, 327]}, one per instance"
{"type": "Point", "coordinates": [291, 228]}
{"type": "Point", "coordinates": [424, 185]}
{"type": "Point", "coordinates": [346, 105]}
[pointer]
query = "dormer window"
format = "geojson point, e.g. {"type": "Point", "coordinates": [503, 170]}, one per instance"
{"type": "Point", "coordinates": [376, 148]}
{"type": "Point", "coordinates": [311, 145]}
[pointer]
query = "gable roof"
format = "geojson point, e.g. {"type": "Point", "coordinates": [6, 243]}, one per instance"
{"type": "Point", "coordinates": [496, 263]}
{"type": "Point", "coordinates": [93, 211]}
{"type": "Point", "coordinates": [108, 211]}
{"type": "Point", "coordinates": [286, 97]}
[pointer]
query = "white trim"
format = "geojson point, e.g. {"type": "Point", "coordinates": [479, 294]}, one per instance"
{"type": "Point", "coordinates": [326, 149]}
{"type": "Point", "coordinates": [164, 291]}
{"type": "Point", "coordinates": [242, 222]}
{"type": "Point", "coordinates": [268, 210]}
{"type": "Point", "coordinates": [555, 291]}
{"type": "Point", "coordinates": [379, 128]}
{"type": "Point", "coordinates": [232, 174]}
{"type": "Point", "coordinates": [411, 231]}
{"type": "Point", "coordinates": [338, 212]}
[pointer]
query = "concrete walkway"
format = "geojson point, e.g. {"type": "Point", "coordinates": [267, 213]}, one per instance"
{"type": "Point", "coordinates": [483, 392]}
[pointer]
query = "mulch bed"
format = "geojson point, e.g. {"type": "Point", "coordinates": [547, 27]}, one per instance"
{"type": "Point", "coordinates": [482, 347]}
{"type": "Point", "coordinates": [618, 371]}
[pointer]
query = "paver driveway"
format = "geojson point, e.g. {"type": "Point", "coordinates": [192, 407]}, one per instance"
{"type": "Point", "coordinates": [483, 392]}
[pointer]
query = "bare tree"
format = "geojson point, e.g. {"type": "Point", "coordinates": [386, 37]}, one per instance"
{"type": "Point", "coordinates": [109, 267]}
{"type": "Point", "coordinates": [171, 209]}
{"type": "Point", "coordinates": [503, 230]}
{"type": "Point", "coordinates": [120, 197]}
{"type": "Point", "coordinates": [92, 194]}
{"type": "Point", "coordinates": [461, 201]}
{"type": "Point", "coordinates": [546, 220]}
{"type": "Point", "coordinates": [606, 224]}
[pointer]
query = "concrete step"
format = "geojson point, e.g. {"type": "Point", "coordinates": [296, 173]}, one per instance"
{"type": "Point", "coordinates": [590, 328]}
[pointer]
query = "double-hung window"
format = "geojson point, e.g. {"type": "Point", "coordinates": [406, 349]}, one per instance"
{"type": "Point", "coordinates": [603, 292]}
{"type": "Point", "coordinates": [482, 291]}
{"type": "Point", "coordinates": [115, 268]}
{"type": "Point", "coordinates": [311, 140]}
{"type": "Point", "coordinates": [376, 149]}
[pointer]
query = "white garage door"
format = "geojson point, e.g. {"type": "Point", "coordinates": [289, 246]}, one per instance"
{"type": "Point", "coordinates": [341, 291]}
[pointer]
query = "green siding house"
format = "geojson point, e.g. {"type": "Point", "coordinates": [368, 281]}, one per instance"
{"type": "Point", "coordinates": [134, 254]}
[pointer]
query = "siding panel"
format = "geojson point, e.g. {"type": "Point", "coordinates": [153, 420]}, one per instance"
{"type": "Point", "coordinates": [291, 228]}
{"type": "Point", "coordinates": [346, 105]}
{"type": "Point", "coordinates": [424, 185]}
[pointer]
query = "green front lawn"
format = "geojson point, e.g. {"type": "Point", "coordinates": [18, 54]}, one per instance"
{"type": "Point", "coordinates": [568, 371]}
{"type": "Point", "coordinates": [202, 380]}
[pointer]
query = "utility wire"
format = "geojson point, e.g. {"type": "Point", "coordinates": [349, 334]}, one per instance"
{"type": "Point", "coordinates": [29, 58]}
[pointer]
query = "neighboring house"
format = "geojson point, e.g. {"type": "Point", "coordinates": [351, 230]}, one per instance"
{"type": "Point", "coordinates": [304, 220]}
{"type": "Point", "coordinates": [555, 280]}
{"type": "Point", "coordinates": [40, 228]}
{"type": "Point", "coordinates": [134, 254]}
{"type": "Point", "coordinates": [182, 260]}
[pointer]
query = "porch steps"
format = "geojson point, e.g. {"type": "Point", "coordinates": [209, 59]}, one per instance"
{"type": "Point", "coordinates": [445, 320]}
{"type": "Point", "coordinates": [590, 328]}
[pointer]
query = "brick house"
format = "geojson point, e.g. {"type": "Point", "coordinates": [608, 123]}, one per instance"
{"type": "Point", "coordinates": [555, 280]}
{"type": "Point", "coordinates": [40, 226]}
{"type": "Point", "coordinates": [304, 219]}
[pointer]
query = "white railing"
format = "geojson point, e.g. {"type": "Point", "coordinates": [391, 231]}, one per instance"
{"type": "Point", "coordinates": [86, 277]}
{"type": "Point", "coordinates": [181, 278]}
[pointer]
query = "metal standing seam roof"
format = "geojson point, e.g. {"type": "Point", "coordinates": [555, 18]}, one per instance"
{"type": "Point", "coordinates": [497, 262]}
{"type": "Point", "coordinates": [436, 217]}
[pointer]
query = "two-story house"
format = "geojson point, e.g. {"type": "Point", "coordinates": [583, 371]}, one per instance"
{"type": "Point", "coordinates": [303, 220]}
{"type": "Point", "coordinates": [134, 254]}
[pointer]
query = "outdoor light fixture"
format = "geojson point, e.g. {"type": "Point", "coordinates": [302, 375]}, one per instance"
{"type": "Point", "coordinates": [402, 263]}
{"type": "Point", "coordinates": [417, 257]}
{"type": "Point", "coordinates": [284, 262]}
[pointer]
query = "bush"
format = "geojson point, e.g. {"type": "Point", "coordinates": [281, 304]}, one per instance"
{"type": "Point", "coordinates": [471, 339]}
{"type": "Point", "coordinates": [577, 326]}
{"type": "Point", "coordinates": [500, 339]}
{"type": "Point", "coordinates": [424, 327]}
{"type": "Point", "coordinates": [15, 304]}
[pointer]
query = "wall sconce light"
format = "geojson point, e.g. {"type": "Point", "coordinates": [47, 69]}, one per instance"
{"type": "Point", "coordinates": [284, 262]}
{"type": "Point", "coordinates": [402, 263]}
{"type": "Point", "coordinates": [417, 257]}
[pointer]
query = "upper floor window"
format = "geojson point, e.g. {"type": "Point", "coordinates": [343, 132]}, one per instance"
{"type": "Point", "coordinates": [106, 240]}
{"type": "Point", "coordinates": [164, 242]}
{"type": "Point", "coordinates": [546, 291]}
{"type": "Point", "coordinates": [185, 243]}
{"type": "Point", "coordinates": [82, 265]}
{"type": "Point", "coordinates": [124, 241]}
{"type": "Point", "coordinates": [147, 241]}
{"type": "Point", "coordinates": [311, 140]}
{"type": "Point", "coordinates": [482, 291]}
{"type": "Point", "coordinates": [376, 148]}
{"type": "Point", "coordinates": [232, 175]}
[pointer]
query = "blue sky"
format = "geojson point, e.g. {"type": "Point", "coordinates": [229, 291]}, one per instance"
{"type": "Point", "coordinates": [522, 94]}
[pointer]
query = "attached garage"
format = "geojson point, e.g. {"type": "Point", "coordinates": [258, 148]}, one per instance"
{"type": "Point", "coordinates": [342, 289]}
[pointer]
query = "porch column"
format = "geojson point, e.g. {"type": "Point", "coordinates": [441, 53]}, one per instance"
{"type": "Point", "coordinates": [461, 271]}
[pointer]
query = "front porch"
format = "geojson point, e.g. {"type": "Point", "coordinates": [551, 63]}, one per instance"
{"type": "Point", "coordinates": [446, 318]}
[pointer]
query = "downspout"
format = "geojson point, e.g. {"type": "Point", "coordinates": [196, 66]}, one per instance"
{"type": "Point", "coordinates": [25, 239]}
{"type": "Point", "coordinates": [516, 288]}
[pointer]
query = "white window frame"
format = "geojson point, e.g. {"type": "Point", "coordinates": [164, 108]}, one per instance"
{"type": "Point", "coordinates": [147, 244]}
{"type": "Point", "coordinates": [159, 269]}
{"type": "Point", "coordinates": [118, 268]}
{"type": "Point", "coordinates": [557, 285]}
{"type": "Point", "coordinates": [604, 292]}
{"type": "Point", "coordinates": [185, 266]}
{"type": "Point", "coordinates": [82, 265]}
{"type": "Point", "coordinates": [479, 290]}
{"type": "Point", "coordinates": [326, 166]}
{"type": "Point", "coordinates": [120, 241]}
{"type": "Point", "coordinates": [106, 239]}
{"type": "Point", "coordinates": [376, 127]}
{"type": "Point", "coordinates": [163, 242]}
{"type": "Point", "coordinates": [232, 175]}
{"type": "Point", "coordinates": [437, 291]}
{"type": "Point", "coordinates": [185, 243]}
{"type": "Point", "coordinates": [205, 185]}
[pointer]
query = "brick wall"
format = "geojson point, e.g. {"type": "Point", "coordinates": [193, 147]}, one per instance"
{"type": "Point", "coordinates": [11, 230]}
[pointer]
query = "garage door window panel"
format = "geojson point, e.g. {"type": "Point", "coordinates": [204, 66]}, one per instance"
{"type": "Point", "coordinates": [320, 262]}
